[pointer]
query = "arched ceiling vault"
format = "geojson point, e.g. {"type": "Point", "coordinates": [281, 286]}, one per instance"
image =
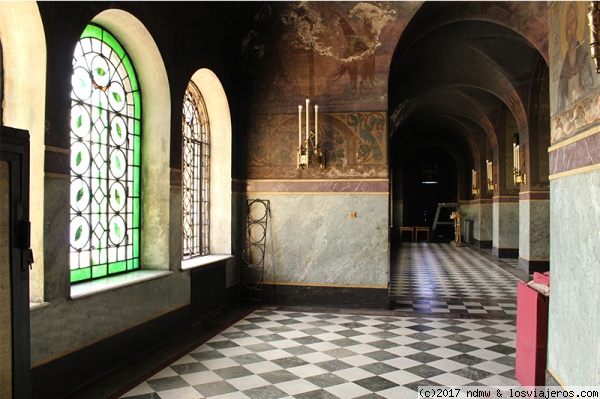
{"type": "Point", "coordinates": [459, 74]}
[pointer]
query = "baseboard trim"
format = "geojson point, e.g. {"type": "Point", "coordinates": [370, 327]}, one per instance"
{"type": "Point", "coordinates": [346, 297]}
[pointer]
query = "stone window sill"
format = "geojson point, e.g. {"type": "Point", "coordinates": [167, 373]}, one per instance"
{"type": "Point", "coordinates": [113, 282]}
{"type": "Point", "coordinates": [38, 305]}
{"type": "Point", "coordinates": [200, 261]}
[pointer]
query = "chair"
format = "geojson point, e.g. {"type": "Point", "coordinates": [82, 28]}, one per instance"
{"type": "Point", "coordinates": [407, 229]}
{"type": "Point", "coordinates": [421, 229]}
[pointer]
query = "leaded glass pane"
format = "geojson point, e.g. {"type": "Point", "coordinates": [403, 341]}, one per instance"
{"type": "Point", "coordinates": [105, 159]}
{"type": "Point", "coordinates": [195, 173]}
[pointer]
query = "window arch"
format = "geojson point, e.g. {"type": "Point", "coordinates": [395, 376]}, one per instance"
{"type": "Point", "coordinates": [218, 221]}
{"type": "Point", "coordinates": [105, 159]}
{"type": "Point", "coordinates": [195, 173]}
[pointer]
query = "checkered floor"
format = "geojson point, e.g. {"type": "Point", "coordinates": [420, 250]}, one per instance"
{"type": "Point", "coordinates": [441, 278]}
{"type": "Point", "coordinates": [453, 325]}
{"type": "Point", "coordinates": [303, 355]}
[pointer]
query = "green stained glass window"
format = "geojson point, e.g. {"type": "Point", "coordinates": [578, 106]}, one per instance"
{"type": "Point", "coordinates": [105, 159]}
{"type": "Point", "coordinates": [195, 173]}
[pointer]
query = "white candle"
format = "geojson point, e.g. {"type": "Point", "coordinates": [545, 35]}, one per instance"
{"type": "Point", "coordinates": [307, 129]}
{"type": "Point", "coordinates": [474, 178]}
{"type": "Point", "coordinates": [518, 157]}
{"type": "Point", "coordinates": [316, 125]}
{"type": "Point", "coordinates": [300, 126]}
{"type": "Point", "coordinates": [489, 169]}
{"type": "Point", "coordinates": [515, 161]}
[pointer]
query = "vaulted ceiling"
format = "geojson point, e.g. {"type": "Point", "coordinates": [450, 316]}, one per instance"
{"type": "Point", "coordinates": [455, 73]}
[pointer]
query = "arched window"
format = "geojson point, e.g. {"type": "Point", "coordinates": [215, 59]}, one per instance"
{"type": "Point", "coordinates": [195, 174]}
{"type": "Point", "coordinates": [105, 159]}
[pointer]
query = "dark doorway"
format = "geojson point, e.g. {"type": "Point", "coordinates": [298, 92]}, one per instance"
{"type": "Point", "coordinates": [14, 264]}
{"type": "Point", "coordinates": [430, 178]}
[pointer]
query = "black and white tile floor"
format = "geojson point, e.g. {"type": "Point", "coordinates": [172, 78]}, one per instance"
{"type": "Point", "coordinates": [284, 354]}
{"type": "Point", "coordinates": [441, 278]}
{"type": "Point", "coordinates": [460, 333]}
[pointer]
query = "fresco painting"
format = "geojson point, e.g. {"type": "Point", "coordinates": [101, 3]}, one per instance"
{"type": "Point", "coordinates": [355, 144]}
{"type": "Point", "coordinates": [572, 72]}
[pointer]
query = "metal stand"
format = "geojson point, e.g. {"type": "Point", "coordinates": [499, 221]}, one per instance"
{"type": "Point", "coordinates": [436, 220]}
{"type": "Point", "coordinates": [253, 255]}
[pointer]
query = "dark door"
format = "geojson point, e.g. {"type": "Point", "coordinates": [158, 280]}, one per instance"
{"type": "Point", "coordinates": [14, 264]}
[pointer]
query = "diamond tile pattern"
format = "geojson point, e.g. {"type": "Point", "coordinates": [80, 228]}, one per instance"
{"type": "Point", "coordinates": [441, 278]}
{"type": "Point", "coordinates": [291, 354]}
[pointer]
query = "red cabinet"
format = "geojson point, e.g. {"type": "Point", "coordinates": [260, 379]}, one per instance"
{"type": "Point", "coordinates": [532, 336]}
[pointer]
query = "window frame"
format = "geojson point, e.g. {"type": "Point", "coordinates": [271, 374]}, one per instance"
{"type": "Point", "coordinates": [121, 201]}
{"type": "Point", "coordinates": [195, 159]}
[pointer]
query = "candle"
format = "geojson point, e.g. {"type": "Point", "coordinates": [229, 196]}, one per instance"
{"type": "Point", "coordinates": [300, 126]}
{"type": "Point", "coordinates": [489, 169]}
{"type": "Point", "coordinates": [518, 157]}
{"type": "Point", "coordinates": [474, 178]}
{"type": "Point", "coordinates": [316, 125]}
{"type": "Point", "coordinates": [515, 160]}
{"type": "Point", "coordinates": [307, 102]}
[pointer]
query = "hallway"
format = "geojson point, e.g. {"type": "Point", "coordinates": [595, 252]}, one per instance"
{"type": "Point", "coordinates": [454, 325]}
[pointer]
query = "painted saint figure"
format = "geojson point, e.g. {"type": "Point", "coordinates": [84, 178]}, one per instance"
{"type": "Point", "coordinates": [576, 73]}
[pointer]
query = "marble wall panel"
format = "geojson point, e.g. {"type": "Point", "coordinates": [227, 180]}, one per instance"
{"type": "Point", "coordinates": [56, 238]}
{"type": "Point", "coordinates": [505, 224]}
{"type": "Point", "coordinates": [480, 212]}
{"type": "Point", "coordinates": [313, 240]}
{"type": "Point", "coordinates": [65, 325]}
{"type": "Point", "coordinates": [485, 222]}
{"type": "Point", "coordinates": [574, 322]}
{"type": "Point", "coordinates": [534, 230]}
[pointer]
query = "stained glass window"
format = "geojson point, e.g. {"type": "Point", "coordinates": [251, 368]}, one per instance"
{"type": "Point", "coordinates": [195, 173]}
{"type": "Point", "coordinates": [105, 159]}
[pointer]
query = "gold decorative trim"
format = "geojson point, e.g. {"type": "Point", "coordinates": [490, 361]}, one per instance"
{"type": "Point", "coordinates": [310, 180]}
{"type": "Point", "coordinates": [562, 384]}
{"type": "Point", "coordinates": [573, 172]}
{"type": "Point", "coordinates": [312, 193]}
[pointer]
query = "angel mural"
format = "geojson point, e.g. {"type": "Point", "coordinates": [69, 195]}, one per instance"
{"type": "Point", "coordinates": [354, 49]}
{"type": "Point", "coordinates": [357, 60]}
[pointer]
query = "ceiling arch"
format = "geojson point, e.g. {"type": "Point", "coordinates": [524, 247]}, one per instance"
{"type": "Point", "coordinates": [461, 68]}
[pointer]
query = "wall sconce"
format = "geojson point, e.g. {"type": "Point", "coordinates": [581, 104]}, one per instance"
{"type": "Point", "coordinates": [594, 24]}
{"type": "Point", "coordinates": [519, 176]}
{"type": "Point", "coordinates": [474, 185]}
{"type": "Point", "coordinates": [309, 153]}
{"type": "Point", "coordinates": [491, 185]}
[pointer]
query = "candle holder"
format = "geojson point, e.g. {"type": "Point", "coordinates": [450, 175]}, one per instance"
{"type": "Point", "coordinates": [491, 185]}
{"type": "Point", "coordinates": [594, 24]}
{"type": "Point", "coordinates": [519, 176]}
{"type": "Point", "coordinates": [309, 152]}
{"type": "Point", "coordinates": [474, 183]}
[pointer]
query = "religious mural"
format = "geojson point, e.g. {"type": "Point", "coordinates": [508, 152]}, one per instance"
{"type": "Point", "coordinates": [337, 52]}
{"type": "Point", "coordinates": [572, 74]}
{"type": "Point", "coordinates": [355, 145]}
